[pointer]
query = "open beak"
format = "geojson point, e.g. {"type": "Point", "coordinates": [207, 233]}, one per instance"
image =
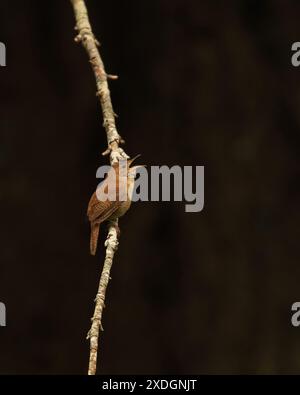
{"type": "Point", "coordinates": [130, 161]}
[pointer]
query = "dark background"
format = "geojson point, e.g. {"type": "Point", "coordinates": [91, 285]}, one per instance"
{"type": "Point", "coordinates": [201, 83]}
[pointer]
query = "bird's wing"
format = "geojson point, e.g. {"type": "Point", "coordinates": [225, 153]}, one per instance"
{"type": "Point", "coordinates": [101, 210]}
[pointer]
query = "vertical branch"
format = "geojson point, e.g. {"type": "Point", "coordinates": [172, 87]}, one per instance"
{"type": "Point", "coordinates": [111, 245]}
{"type": "Point", "coordinates": [89, 42]}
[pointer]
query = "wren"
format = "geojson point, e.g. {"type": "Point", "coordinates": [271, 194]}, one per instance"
{"type": "Point", "coordinates": [100, 211]}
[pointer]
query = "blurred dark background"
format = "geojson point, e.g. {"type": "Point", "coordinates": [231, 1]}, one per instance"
{"type": "Point", "coordinates": [201, 83]}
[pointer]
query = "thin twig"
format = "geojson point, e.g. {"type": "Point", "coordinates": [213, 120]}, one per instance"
{"type": "Point", "coordinates": [89, 42]}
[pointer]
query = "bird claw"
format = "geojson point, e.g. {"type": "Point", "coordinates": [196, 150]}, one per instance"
{"type": "Point", "coordinates": [116, 226]}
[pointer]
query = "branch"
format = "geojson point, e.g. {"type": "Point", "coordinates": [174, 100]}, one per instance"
{"type": "Point", "coordinates": [111, 245]}
{"type": "Point", "coordinates": [89, 42]}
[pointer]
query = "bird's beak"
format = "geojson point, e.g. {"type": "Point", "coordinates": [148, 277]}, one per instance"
{"type": "Point", "coordinates": [130, 161]}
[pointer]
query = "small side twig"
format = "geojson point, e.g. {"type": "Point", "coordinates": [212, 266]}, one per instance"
{"type": "Point", "coordinates": [91, 44]}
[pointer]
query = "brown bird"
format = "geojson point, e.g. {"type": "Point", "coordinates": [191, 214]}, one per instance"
{"type": "Point", "coordinates": [120, 182]}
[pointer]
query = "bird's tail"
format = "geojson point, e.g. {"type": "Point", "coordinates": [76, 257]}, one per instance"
{"type": "Point", "coordinates": [94, 238]}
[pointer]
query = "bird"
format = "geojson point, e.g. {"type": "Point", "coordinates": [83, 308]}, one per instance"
{"type": "Point", "coordinates": [120, 178]}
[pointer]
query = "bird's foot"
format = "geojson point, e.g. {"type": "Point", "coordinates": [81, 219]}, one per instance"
{"type": "Point", "coordinates": [116, 226]}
